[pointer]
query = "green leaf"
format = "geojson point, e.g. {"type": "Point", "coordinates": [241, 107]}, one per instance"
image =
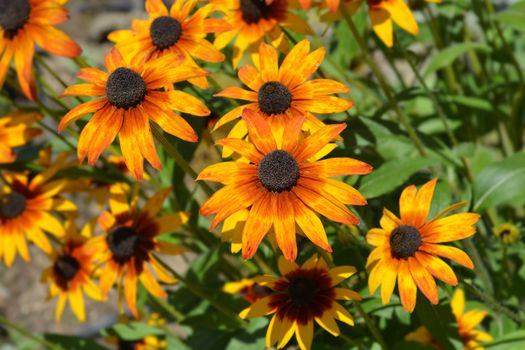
{"type": "Point", "coordinates": [450, 54]}
{"type": "Point", "coordinates": [513, 17]}
{"type": "Point", "coordinates": [135, 330]}
{"type": "Point", "coordinates": [511, 341]}
{"type": "Point", "coordinates": [73, 342]}
{"type": "Point", "coordinates": [440, 322]}
{"type": "Point", "coordinates": [501, 183]}
{"type": "Point", "coordinates": [471, 102]}
{"type": "Point", "coordinates": [391, 175]}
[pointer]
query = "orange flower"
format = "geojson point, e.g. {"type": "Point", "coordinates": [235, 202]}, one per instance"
{"type": "Point", "coordinates": [283, 185]}
{"type": "Point", "coordinates": [173, 32]}
{"type": "Point", "coordinates": [252, 20]}
{"type": "Point", "coordinates": [24, 23]}
{"type": "Point", "coordinates": [131, 238]}
{"type": "Point", "coordinates": [71, 273]}
{"type": "Point", "coordinates": [281, 94]}
{"type": "Point", "coordinates": [15, 131]}
{"type": "Point", "coordinates": [131, 94]}
{"type": "Point", "coordinates": [25, 212]}
{"type": "Point", "coordinates": [408, 249]}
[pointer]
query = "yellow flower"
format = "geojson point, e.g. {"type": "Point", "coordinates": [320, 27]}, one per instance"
{"type": "Point", "coordinates": [301, 296]}
{"type": "Point", "coordinates": [408, 248]}
{"type": "Point", "coordinates": [466, 323]}
{"type": "Point", "coordinates": [250, 290]}
{"type": "Point", "coordinates": [126, 250]}
{"type": "Point", "coordinates": [15, 131]}
{"type": "Point", "coordinates": [71, 273]}
{"type": "Point", "coordinates": [508, 233]}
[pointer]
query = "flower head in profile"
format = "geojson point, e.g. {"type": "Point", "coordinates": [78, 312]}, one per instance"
{"type": "Point", "coordinates": [507, 233]}
{"type": "Point", "coordinates": [129, 95]}
{"type": "Point", "coordinates": [300, 297]}
{"type": "Point", "coordinates": [16, 131]}
{"type": "Point", "coordinates": [173, 31]}
{"type": "Point", "coordinates": [149, 342]}
{"type": "Point", "coordinates": [27, 205]}
{"type": "Point", "coordinates": [281, 93]}
{"type": "Point", "coordinates": [284, 185]}
{"type": "Point", "coordinates": [248, 288]}
{"type": "Point", "coordinates": [127, 248]}
{"type": "Point", "coordinates": [467, 321]}
{"type": "Point", "coordinates": [408, 249]}
{"type": "Point", "coordinates": [252, 20]}
{"type": "Point", "coordinates": [24, 23]}
{"type": "Point", "coordinates": [71, 274]}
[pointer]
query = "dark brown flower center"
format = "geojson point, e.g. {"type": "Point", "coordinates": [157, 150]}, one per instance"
{"type": "Point", "coordinates": [165, 31]}
{"type": "Point", "coordinates": [304, 295]}
{"type": "Point", "coordinates": [278, 171]}
{"type": "Point", "coordinates": [125, 88]}
{"type": "Point", "coordinates": [254, 10]}
{"type": "Point", "coordinates": [404, 241]}
{"type": "Point", "coordinates": [65, 269]}
{"type": "Point", "coordinates": [12, 205]}
{"type": "Point", "coordinates": [123, 243]}
{"type": "Point", "coordinates": [13, 15]}
{"type": "Point", "coordinates": [274, 98]}
{"type": "Point", "coordinates": [504, 233]}
{"type": "Point", "coordinates": [128, 344]}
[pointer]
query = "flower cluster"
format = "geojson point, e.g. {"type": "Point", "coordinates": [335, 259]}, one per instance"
{"type": "Point", "coordinates": [286, 183]}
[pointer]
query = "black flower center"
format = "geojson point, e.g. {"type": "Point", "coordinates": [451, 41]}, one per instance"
{"type": "Point", "coordinates": [13, 15]}
{"type": "Point", "coordinates": [128, 344]}
{"type": "Point", "coordinates": [165, 31]}
{"type": "Point", "coordinates": [66, 268]}
{"type": "Point", "coordinates": [404, 241]}
{"type": "Point", "coordinates": [254, 10]}
{"type": "Point", "coordinates": [274, 98]}
{"type": "Point", "coordinates": [302, 291]}
{"type": "Point", "coordinates": [123, 242]}
{"type": "Point", "coordinates": [12, 205]}
{"type": "Point", "coordinates": [125, 88]}
{"type": "Point", "coordinates": [504, 233]}
{"type": "Point", "coordinates": [278, 171]}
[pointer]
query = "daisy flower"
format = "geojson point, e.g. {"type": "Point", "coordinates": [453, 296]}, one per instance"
{"type": "Point", "coordinates": [127, 249]}
{"type": "Point", "coordinates": [283, 185]}
{"type": "Point", "coordinates": [408, 248]}
{"type": "Point", "coordinates": [173, 31]}
{"type": "Point", "coordinates": [26, 207]}
{"type": "Point", "coordinates": [71, 273]}
{"type": "Point", "coordinates": [24, 23]}
{"type": "Point", "coordinates": [507, 233]}
{"type": "Point", "coordinates": [282, 93]}
{"type": "Point", "coordinates": [467, 321]}
{"type": "Point", "coordinates": [301, 296]}
{"type": "Point", "coordinates": [129, 95]}
{"type": "Point", "coordinates": [15, 131]}
{"type": "Point", "coordinates": [252, 20]}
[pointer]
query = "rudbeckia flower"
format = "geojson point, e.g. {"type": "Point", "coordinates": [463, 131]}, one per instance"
{"type": "Point", "coordinates": [283, 185]}
{"type": "Point", "coordinates": [26, 207]}
{"type": "Point", "coordinates": [173, 32]}
{"type": "Point", "coordinates": [248, 288]}
{"type": "Point", "coordinates": [408, 248]}
{"type": "Point", "coordinates": [282, 93]}
{"type": "Point", "coordinates": [507, 233]}
{"type": "Point", "coordinates": [301, 296]}
{"type": "Point", "coordinates": [252, 20]}
{"type": "Point", "coordinates": [131, 94]}
{"type": "Point", "coordinates": [126, 250]}
{"type": "Point", "coordinates": [15, 131]}
{"type": "Point", "coordinates": [24, 23]}
{"type": "Point", "coordinates": [466, 323]}
{"type": "Point", "coordinates": [72, 271]}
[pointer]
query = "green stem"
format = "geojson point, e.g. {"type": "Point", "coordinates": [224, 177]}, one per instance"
{"type": "Point", "coordinates": [195, 289]}
{"type": "Point", "coordinates": [8, 324]}
{"type": "Point", "coordinates": [54, 74]}
{"type": "Point", "coordinates": [494, 304]}
{"type": "Point", "coordinates": [164, 305]}
{"type": "Point", "coordinates": [479, 265]}
{"type": "Point", "coordinates": [402, 118]}
{"type": "Point", "coordinates": [371, 326]}
{"type": "Point", "coordinates": [440, 112]}
{"type": "Point", "coordinates": [56, 134]}
{"type": "Point", "coordinates": [179, 159]}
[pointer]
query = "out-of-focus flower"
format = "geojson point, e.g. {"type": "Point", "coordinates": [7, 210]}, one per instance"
{"type": "Point", "coordinates": [248, 288]}
{"type": "Point", "coordinates": [15, 131]}
{"type": "Point", "coordinates": [508, 233]}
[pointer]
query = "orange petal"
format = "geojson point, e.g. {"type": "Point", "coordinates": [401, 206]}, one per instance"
{"type": "Point", "coordinates": [423, 201]}
{"type": "Point", "coordinates": [81, 110]}
{"type": "Point", "coordinates": [437, 267]}
{"type": "Point", "coordinates": [284, 225]}
{"type": "Point", "coordinates": [310, 224]}
{"type": "Point", "coordinates": [259, 131]}
{"type": "Point", "coordinates": [424, 280]}
{"type": "Point", "coordinates": [337, 167]}
{"type": "Point", "coordinates": [316, 141]}
{"type": "Point", "coordinates": [449, 252]}
{"type": "Point", "coordinates": [407, 287]}
{"type": "Point", "coordinates": [259, 222]}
